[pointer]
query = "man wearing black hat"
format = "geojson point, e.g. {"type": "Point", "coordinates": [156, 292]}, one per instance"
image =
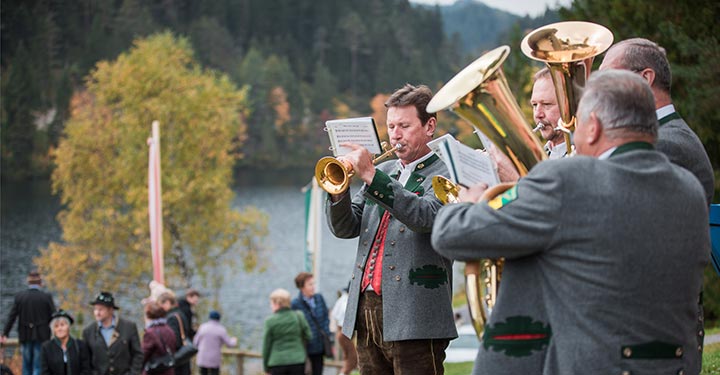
{"type": "Point", "coordinates": [34, 308]}
{"type": "Point", "coordinates": [114, 342]}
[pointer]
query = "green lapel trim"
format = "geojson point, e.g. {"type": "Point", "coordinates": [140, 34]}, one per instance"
{"type": "Point", "coordinates": [517, 336]}
{"type": "Point", "coordinates": [652, 350]}
{"type": "Point", "coordinates": [668, 118]}
{"type": "Point", "coordinates": [416, 178]}
{"type": "Point", "coordinates": [632, 146]}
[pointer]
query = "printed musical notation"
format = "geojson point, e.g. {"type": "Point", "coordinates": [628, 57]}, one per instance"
{"type": "Point", "coordinates": [359, 130]}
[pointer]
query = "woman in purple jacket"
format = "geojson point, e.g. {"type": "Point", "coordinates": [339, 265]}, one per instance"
{"type": "Point", "coordinates": [159, 338]}
{"type": "Point", "coordinates": [209, 339]}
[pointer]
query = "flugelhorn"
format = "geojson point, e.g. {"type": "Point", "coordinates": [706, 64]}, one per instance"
{"type": "Point", "coordinates": [333, 174]}
{"type": "Point", "coordinates": [480, 94]}
{"type": "Point", "coordinates": [568, 50]}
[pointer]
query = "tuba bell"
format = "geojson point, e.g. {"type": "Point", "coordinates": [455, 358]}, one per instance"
{"type": "Point", "coordinates": [480, 94]}
{"type": "Point", "coordinates": [568, 49]}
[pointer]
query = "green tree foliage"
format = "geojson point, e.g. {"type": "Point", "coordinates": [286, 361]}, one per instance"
{"type": "Point", "coordinates": [101, 175]}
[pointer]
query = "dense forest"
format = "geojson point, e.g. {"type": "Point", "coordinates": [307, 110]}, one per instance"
{"type": "Point", "coordinates": [320, 58]}
{"type": "Point", "coordinates": [303, 61]}
{"type": "Point", "coordinates": [306, 61]}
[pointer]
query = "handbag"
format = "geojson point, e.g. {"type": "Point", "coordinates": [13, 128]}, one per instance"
{"type": "Point", "coordinates": [162, 363]}
{"type": "Point", "coordinates": [187, 350]}
{"type": "Point", "coordinates": [327, 343]}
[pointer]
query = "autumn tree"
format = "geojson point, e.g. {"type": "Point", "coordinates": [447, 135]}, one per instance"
{"type": "Point", "coordinates": [101, 176]}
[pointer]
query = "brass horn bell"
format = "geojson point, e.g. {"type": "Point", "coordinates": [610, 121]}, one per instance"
{"type": "Point", "coordinates": [333, 174]}
{"type": "Point", "coordinates": [568, 49]}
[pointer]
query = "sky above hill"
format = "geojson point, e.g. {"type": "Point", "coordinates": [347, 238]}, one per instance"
{"type": "Point", "coordinates": [532, 8]}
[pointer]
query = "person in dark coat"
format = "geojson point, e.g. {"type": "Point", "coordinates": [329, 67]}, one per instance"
{"type": "Point", "coordinates": [316, 313]}
{"type": "Point", "coordinates": [34, 308]}
{"type": "Point", "coordinates": [179, 323]}
{"type": "Point", "coordinates": [113, 341]}
{"type": "Point", "coordinates": [187, 306]}
{"type": "Point", "coordinates": [159, 338]}
{"type": "Point", "coordinates": [64, 354]}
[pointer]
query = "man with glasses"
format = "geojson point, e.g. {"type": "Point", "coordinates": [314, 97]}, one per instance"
{"type": "Point", "coordinates": [114, 342]}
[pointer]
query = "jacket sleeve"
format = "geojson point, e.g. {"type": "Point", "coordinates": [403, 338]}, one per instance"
{"type": "Point", "coordinates": [84, 356]}
{"type": "Point", "coordinates": [136, 352]}
{"type": "Point", "coordinates": [524, 221]}
{"type": "Point", "coordinates": [417, 211]}
{"type": "Point", "coordinates": [172, 322]}
{"type": "Point", "coordinates": [266, 346]}
{"type": "Point", "coordinates": [44, 366]}
{"type": "Point", "coordinates": [229, 341]}
{"type": "Point", "coordinates": [306, 332]}
{"type": "Point", "coordinates": [87, 336]}
{"type": "Point", "coordinates": [345, 216]}
{"type": "Point", "coordinates": [11, 318]}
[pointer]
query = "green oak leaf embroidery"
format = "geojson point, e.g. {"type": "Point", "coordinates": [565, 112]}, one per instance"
{"type": "Point", "coordinates": [430, 276]}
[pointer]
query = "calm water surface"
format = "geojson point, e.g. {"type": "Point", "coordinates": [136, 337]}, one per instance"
{"type": "Point", "coordinates": [27, 223]}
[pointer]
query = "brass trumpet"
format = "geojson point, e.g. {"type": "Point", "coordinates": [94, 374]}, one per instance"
{"type": "Point", "coordinates": [333, 174]}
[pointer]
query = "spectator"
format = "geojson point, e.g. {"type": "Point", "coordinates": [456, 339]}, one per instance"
{"type": "Point", "coordinates": [177, 320]}
{"type": "Point", "coordinates": [34, 309]}
{"type": "Point", "coordinates": [209, 340]}
{"type": "Point", "coordinates": [346, 345]}
{"type": "Point", "coordinates": [113, 341]}
{"type": "Point", "coordinates": [64, 354]}
{"type": "Point", "coordinates": [187, 306]}
{"type": "Point", "coordinates": [159, 339]}
{"type": "Point", "coordinates": [316, 313]}
{"type": "Point", "coordinates": [286, 332]}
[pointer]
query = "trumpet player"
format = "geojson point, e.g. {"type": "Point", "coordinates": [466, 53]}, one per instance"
{"type": "Point", "coordinates": [399, 300]}
{"type": "Point", "coordinates": [546, 114]}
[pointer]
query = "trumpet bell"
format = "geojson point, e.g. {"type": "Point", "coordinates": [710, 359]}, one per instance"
{"type": "Point", "coordinates": [332, 175]}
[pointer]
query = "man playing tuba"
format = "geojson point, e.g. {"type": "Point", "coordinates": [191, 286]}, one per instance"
{"type": "Point", "coordinates": [584, 225]}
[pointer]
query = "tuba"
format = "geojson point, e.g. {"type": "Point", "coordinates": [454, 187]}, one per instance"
{"type": "Point", "coordinates": [480, 95]}
{"type": "Point", "coordinates": [568, 50]}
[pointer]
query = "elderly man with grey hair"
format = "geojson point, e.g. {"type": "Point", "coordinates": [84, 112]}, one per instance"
{"type": "Point", "coordinates": [675, 138]}
{"type": "Point", "coordinates": [607, 230]}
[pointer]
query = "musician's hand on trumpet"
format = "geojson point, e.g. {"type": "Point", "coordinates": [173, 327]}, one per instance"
{"type": "Point", "coordinates": [361, 160]}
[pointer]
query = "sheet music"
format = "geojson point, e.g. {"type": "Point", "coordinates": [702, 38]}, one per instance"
{"type": "Point", "coordinates": [466, 166]}
{"type": "Point", "coordinates": [359, 130]}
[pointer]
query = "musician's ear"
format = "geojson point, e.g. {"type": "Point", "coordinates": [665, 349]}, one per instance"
{"type": "Point", "coordinates": [594, 129]}
{"type": "Point", "coordinates": [431, 125]}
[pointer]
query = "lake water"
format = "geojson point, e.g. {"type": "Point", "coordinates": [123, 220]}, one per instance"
{"type": "Point", "coordinates": [27, 223]}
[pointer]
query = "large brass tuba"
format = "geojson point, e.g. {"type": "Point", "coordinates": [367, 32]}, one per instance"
{"type": "Point", "coordinates": [480, 94]}
{"type": "Point", "coordinates": [568, 50]}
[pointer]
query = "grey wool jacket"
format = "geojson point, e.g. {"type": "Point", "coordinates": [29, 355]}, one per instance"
{"type": "Point", "coordinates": [604, 264]}
{"type": "Point", "coordinates": [416, 281]}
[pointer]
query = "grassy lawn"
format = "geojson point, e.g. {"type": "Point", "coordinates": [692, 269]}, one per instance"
{"type": "Point", "coordinates": [711, 359]}
{"type": "Point", "coordinates": [463, 368]}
